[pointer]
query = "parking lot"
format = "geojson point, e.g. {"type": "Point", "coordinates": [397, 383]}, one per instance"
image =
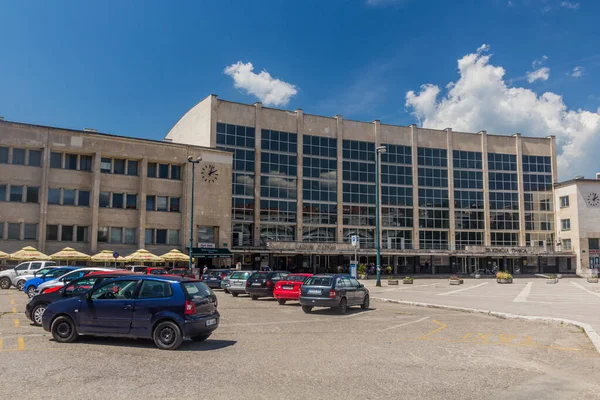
{"type": "Point", "coordinates": [264, 350]}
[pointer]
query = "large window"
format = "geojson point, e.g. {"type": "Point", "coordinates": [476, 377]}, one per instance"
{"type": "Point", "coordinates": [502, 162]}
{"type": "Point", "coordinates": [104, 199]}
{"type": "Point", "coordinates": [16, 193]}
{"type": "Point", "coordinates": [504, 220]}
{"type": "Point", "coordinates": [164, 171]}
{"type": "Point", "coordinates": [505, 239]}
{"type": "Point", "coordinates": [318, 234]}
{"type": "Point", "coordinates": [433, 240]}
{"type": "Point", "coordinates": [82, 234]}
{"type": "Point", "coordinates": [84, 198]}
{"type": "Point", "coordinates": [35, 158]}
{"type": "Point", "coordinates": [51, 232]}
{"type": "Point", "coordinates": [67, 233]}
{"type": "Point", "coordinates": [564, 201]}
{"type": "Point", "coordinates": [464, 239]}
{"type": "Point", "coordinates": [14, 231]}
{"type": "Point", "coordinates": [565, 224]}
{"type": "Point", "coordinates": [71, 161]}
{"type": "Point", "coordinates": [68, 197]}
{"type": "Point", "coordinates": [55, 160]}
{"type": "Point", "coordinates": [116, 235]}
{"type": "Point", "coordinates": [566, 244]}
{"type": "Point", "coordinates": [2, 192]}
{"type": "Point", "coordinates": [53, 196]}
{"type": "Point", "coordinates": [4, 155]}
{"type": "Point", "coordinates": [18, 157]}
{"type": "Point", "coordinates": [30, 232]}
{"type": "Point", "coordinates": [33, 194]}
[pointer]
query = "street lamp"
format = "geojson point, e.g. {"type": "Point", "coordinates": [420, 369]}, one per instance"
{"type": "Point", "coordinates": [378, 151]}
{"type": "Point", "coordinates": [194, 162]}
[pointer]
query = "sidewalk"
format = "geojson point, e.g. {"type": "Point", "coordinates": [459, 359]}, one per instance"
{"type": "Point", "coordinates": [571, 298]}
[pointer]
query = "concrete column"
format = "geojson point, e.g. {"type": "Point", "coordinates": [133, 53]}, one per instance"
{"type": "Point", "coordinates": [300, 173]}
{"type": "Point", "coordinates": [258, 145]}
{"type": "Point", "coordinates": [214, 108]}
{"type": "Point", "coordinates": [452, 225]}
{"type": "Point", "coordinates": [44, 197]}
{"type": "Point", "coordinates": [186, 206]}
{"type": "Point", "coordinates": [519, 147]}
{"type": "Point", "coordinates": [553, 161]}
{"type": "Point", "coordinates": [415, 177]}
{"type": "Point", "coordinates": [141, 203]}
{"type": "Point", "coordinates": [340, 167]}
{"type": "Point", "coordinates": [487, 237]}
{"type": "Point", "coordinates": [95, 200]}
{"type": "Point", "coordinates": [377, 132]}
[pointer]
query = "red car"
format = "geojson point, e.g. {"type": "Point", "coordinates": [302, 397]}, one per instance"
{"type": "Point", "coordinates": [183, 272]}
{"type": "Point", "coordinates": [155, 271]}
{"type": "Point", "coordinates": [289, 287]}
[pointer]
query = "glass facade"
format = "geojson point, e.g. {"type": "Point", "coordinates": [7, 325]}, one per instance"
{"type": "Point", "coordinates": [539, 207]}
{"type": "Point", "coordinates": [433, 198]}
{"type": "Point", "coordinates": [397, 197]}
{"type": "Point", "coordinates": [469, 218]}
{"type": "Point", "coordinates": [503, 198]}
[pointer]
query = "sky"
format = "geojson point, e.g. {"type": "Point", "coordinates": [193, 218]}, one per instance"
{"type": "Point", "coordinates": [135, 67]}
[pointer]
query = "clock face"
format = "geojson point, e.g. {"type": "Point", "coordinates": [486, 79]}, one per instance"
{"type": "Point", "coordinates": [209, 173]}
{"type": "Point", "coordinates": [593, 199]}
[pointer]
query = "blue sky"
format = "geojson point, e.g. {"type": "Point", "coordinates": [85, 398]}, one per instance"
{"type": "Point", "coordinates": [133, 68]}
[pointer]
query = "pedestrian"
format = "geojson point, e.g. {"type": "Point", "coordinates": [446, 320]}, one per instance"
{"type": "Point", "coordinates": [339, 269]}
{"type": "Point", "coordinates": [238, 266]}
{"type": "Point", "coordinates": [204, 270]}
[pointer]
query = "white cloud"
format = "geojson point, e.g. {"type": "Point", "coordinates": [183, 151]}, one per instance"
{"type": "Point", "coordinates": [481, 99]}
{"type": "Point", "coordinates": [570, 5]}
{"type": "Point", "coordinates": [577, 72]}
{"type": "Point", "coordinates": [539, 61]}
{"type": "Point", "coordinates": [270, 91]}
{"type": "Point", "coordinates": [483, 47]}
{"type": "Point", "coordinates": [539, 74]}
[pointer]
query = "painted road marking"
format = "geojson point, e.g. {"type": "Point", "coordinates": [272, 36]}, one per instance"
{"type": "Point", "coordinates": [404, 324]}
{"type": "Point", "coordinates": [16, 322]}
{"type": "Point", "coordinates": [461, 290]}
{"type": "Point", "coordinates": [12, 301]}
{"type": "Point", "coordinates": [0, 344]}
{"type": "Point", "coordinates": [21, 343]}
{"type": "Point", "coordinates": [360, 313]}
{"type": "Point", "coordinates": [433, 332]}
{"type": "Point", "coordinates": [586, 289]}
{"type": "Point", "coordinates": [14, 310]}
{"type": "Point", "coordinates": [411, 287]}
{"type": "Point", "coordinates": [522, 297]}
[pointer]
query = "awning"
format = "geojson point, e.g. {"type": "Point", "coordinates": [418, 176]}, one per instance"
{"type": "Point", "coordinates": [211, 253]}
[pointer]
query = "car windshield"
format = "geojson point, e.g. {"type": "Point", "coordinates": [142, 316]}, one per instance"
{"type": "Point", "coordinates": [295, 278]}
{"type": "Point", "coordinates": [177, 271]}
{"type": "Point", "coordinates": [261, 275]}
{"type": "Point", "coordinates": [197, 290]}
{"type": "Point", "coordinates": [318, 281]}
{"type": "Point", "coordinates": [42, 271]}
{"type": "Point", "coordinates": [158, 272]}
{"type": "Point", "coordinates": [240, 275]}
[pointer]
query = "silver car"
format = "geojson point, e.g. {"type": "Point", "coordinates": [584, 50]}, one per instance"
{"type": "Point", "coordinates": [237, 282]}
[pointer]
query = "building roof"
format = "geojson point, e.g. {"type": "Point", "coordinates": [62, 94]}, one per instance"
{"type": "Point", "coordinates": [576, 181]}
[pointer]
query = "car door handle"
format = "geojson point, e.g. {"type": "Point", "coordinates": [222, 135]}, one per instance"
{"type": "Point", "coordinates": [128, 307]}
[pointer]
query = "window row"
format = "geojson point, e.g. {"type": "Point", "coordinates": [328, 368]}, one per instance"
{"type": "Point", "coordinates": [395, 195]}
{"type": "Point", "coordinates": [397, 154]}
{"type": "Point", "coordinates": [433, 198]}
{"type": "Point", "coordinates": [118, 200]}
{"type": "Point", "coordinates": [366, 237]}
{"type": "Point", "coordinates": [75, 162]}
{"type": "Point", "coordinates": [396, 239]}
{"type": "Point", "coordinates": [69, 197]}
{"type": "Point", "coordinates": [537, 164]}
{"type": "Point", "coordinates": [242, 209]}
{"type": "Point", "coordinates": [162, 236]}
{"type": "Point", "coordinates": [164, 171]}
{"type": "Point", "coordinates": [434, 219]}
{"type": "Point", "coordinates": [469, 219]}
{"type": "Point", "coordinates": [316, 213]}
{"type": "Point", "coordinates": [468, 179]}
{"type": "Point", "coordinates": [397, 217]}
{"type": "Point", "coordinates": [432, 157]}
{"type": "Point", "coordinates": [235, 135]}
{"type": "Point", "coordinates": [119, 166]}
{"type": "Point", "coordinates": [504, 221]}
{"type": "Point", "coordinates": [278, 211]}
{"type": "Point", "coordinates": [463, 239]}
{"type": "Point", "coordinates": [537, 182]}
{"type": "Point", "coordinates": [467, 159]}
{"type": "Point", "coordinates": [322, 168]}
{"type": "Point", "coordinates": [277, 233]}
{"type": "Point", "coordinates": [504, 239]}
{"type": "Point", "coordinates": [19, 231]}
{"type": "Point", "coordinates": [19, 193]}
{"type": "Point", "coordinates": [319, 190]}
{"type": "Point", "coordinates": [67, 233]}
{"type": "Point", "coordinates": [502, 162]}
{"type": "Point", "coordinates": [433, 240]}
{"type": "Point", "coordinates": [358, 193]}
{"type": "Point", "coordinates": [358, 150]}
{"type": "Point", "coordinates": [31, 157]}
{"type": "Point", "coordinates": [319, 146]}
{"type": "Point", "coordinates": [464, 199]}
{"type": "Point", "coordinates": [243, 160]}
{"type": "Point", "coordinates": [358, 215]}
{"type": "Point", "coordinates": [279, 141]}
{"type": "Point", "coordinates": [278, 187]}
{"type": "Point", "coordinates": [160, 203]}
{"type": "Point", "coordinates": [396, 175]}
{"type": "Point", "coordinates": [539, 222]}
{"type": "Point", "coordinates": [503, 181]}
{"type": "Point", "coordinates": [273, 163]}
{"type": "Point", "coordinates": [538, 201]}
{"type": "Point", "coordinates": [318, 234]}
{"type": "Point", "coordinates": [504, 201]}
{"type": "Point", "coordinates": [243, 184]}
{"type": "Point", "coordinates": [433, 177]}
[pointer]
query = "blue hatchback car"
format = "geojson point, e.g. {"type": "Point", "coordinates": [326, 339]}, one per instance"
{"type": "Point", "coordinates": [163, 308]}
{"type": "Point", "coordinates": [32, 284]}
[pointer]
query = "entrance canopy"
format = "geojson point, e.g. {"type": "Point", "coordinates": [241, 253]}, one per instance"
{"type": "Point", "coordinates": [211, 253]}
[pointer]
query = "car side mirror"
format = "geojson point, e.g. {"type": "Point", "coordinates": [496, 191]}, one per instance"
{"type": "Point", "coordinates": [360, 286]}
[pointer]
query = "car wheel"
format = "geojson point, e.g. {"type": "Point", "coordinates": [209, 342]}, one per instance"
{"type": "Point", "coordinates": [341, 309]}
{"type": "Point", "coordinates": [63, 330]}
{"type": "Point", "coordinates": [20, 285]}
{"type": "Point", "coordinates": [31, 291]}
{"type": "Point", "coordinates": [4, 283]}
{"type": "Point", "coordinates": [281, 301]}
{"type": "Point", "coordinates": [37, 313]}
{"type": "Point", "coordinates": [226, 291]}
{"type": "Point", "coordinates": [167, 336]}
{"type": "Point", "coordinates": [254, 297]}
{"type": "Point", "coordinates": [307, 309]}
{"type": "Point", "coordinates": [235, 294]}
{"type": "Point", "coordinates": [200, 338]}
{"type": "Point", "coordinates": [365, 304]}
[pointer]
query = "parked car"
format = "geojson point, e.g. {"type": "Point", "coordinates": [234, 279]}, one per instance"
{"type": "Point", "coordinates": [225, 281]}
{"type": "Point", "coordinates": [333, 291]}
{"type": "Point", "coordinates": [155, 271]}
{"type": "Point", "coordinates": [163, 308]}
{"type": "Point", "coordinates": [261, 284]}
{"type": "Point", "coordinates": [38, 304]}
{"type": "Point", "coordinates": [136, 268]}
{"type": "Point", "coordinates": [31, 285]}
{"type": "Point", "coordinates": [183, 272]}
{"type": "Point", "coordinates": [19, 280]}
{"type": "Point", "coordinates": [7, 276]}
{"type": "Point", "coordinates": [213, 277]}
{"type": "Point", "coordinates": [237, 282]}
{"type": "Point", "coordinates": [289, 287]}
{"type": "Point", "coordinates": [68, 277]}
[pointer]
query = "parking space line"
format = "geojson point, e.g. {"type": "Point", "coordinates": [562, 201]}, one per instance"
{"type": "Point", "coordinates": [14, 310]}
{"type": "Point", "coordinates": [522, 297]}
{"type": "Point", "coordinates": [12, 301]}
{"type": "Point", "coordinates": [20, 343]}
{"type": "Point", "coordinates": [461, 290]}
{"type": "Point", "coordinates": [406, 323]}
{"type": "Point", "coordinates": [411, 287]}
{"type": "Point", "coordinates": [433, 332]}
{"type": "Point", "coordinates": [360, 313]}
{"type": "Point", "coordinates": [16, 322]}
{"type": "Point", "coordinates": [585, 289]}
{"type": "Point", "coordinates": [0, 344]}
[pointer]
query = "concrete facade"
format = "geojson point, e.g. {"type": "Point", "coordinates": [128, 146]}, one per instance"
{"type": "Point", "coordinates": [578, 202]}
{"type": "Point", "coordinates": [77, 169]}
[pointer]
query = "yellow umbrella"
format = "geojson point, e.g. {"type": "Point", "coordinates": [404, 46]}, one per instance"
{"type": "Point", "coordinates": [69, 254]}
{"type": "Point", "coordinates": [28, 254]}
{"type": "Point", "coordinates": [4, 255]}
{"type": "Point", "coordinates": [175, 255]}
{"type": "Point", "coordinates": [106, 256]}
{"type": "Point", "coordinates": [143, 255]}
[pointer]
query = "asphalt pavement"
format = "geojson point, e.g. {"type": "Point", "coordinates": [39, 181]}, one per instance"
{"type": "Point", "coordinates": [263, 350]}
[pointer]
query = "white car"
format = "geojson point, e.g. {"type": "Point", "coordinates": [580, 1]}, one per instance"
{"type": "Point", "coordinates": [7, 276]}
{"type": "Point", "coordinates": [68, 277]}
{"type": "Point", "coordinates": [19, 280]}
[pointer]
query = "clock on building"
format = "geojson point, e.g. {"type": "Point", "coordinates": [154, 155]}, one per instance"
{"type": "Point", "coordinates": [209, 173]}
{"type": "Point", "coordinates": [593, 199]}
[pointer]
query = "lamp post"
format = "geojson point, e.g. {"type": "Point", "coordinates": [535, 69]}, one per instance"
{"type": "Point", "coordinates": [378, 151]}
{"type": "Point", "coordinates": [194, 162]}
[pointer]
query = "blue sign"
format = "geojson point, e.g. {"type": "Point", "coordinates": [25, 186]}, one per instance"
{"type": "Point", "coordinates": [116, 255]}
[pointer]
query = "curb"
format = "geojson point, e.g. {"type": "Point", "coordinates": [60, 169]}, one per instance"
{"type": "Point", "coordinates": [591, 333]}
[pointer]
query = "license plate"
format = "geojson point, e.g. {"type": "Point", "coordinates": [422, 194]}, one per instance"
{"type": "Point", "coordinates": [314, 291]}
{"type": "Point", "coordinates": [238, 283]}
{"type": "Point", "coordinates": [211, 322]}
{"type": "Point", "coordinates": [256, 284]}
{"type": "Point", "coordinates": [287, 287]}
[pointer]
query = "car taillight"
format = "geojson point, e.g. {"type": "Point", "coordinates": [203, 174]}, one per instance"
{"type": "Point", "coordinates": [269, 283]}
{"type": "Point", "coordinates": [223, 276]}
{"type": "Point", "coordinates": [332, 294]}
{"type": "Point", "coordinates": [190, 308]}
{"type": "Point", "coordinates": [52, 289]}
{"type": "Point", "coordinates": [247, 283]}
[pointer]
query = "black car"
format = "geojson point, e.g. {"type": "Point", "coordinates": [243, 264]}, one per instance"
{"type": "Point", "coordinates": [37, 305]}
{"type": "Point", "coordinates": [261, 284]}
{"type": "Point", "coordinates": [333, 291]}
{"type": "Point", "coordinates": [213, 277]}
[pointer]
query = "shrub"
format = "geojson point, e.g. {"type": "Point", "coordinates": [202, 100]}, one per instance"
{"type": "Point", "coordinates": [362, 269]}
{"type": "Point", "coordinates": [503, 275]}
{"type": "Point", "coordinates": [454, 278]}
